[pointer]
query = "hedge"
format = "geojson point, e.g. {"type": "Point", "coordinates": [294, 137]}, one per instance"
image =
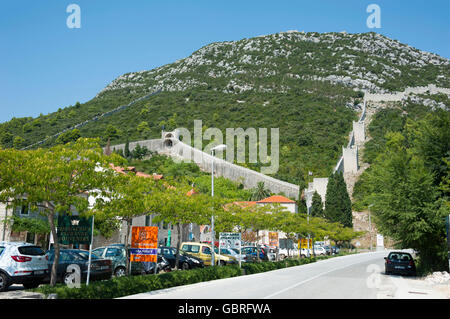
{"type": "Point", "coordinates": [130, 285]}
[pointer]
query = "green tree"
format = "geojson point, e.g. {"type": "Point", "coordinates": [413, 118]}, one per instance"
{"type": "Point", "coordinates": [407, 204]}
{"type": "Point", "coordinates": [317, 206]}
{"type": "Point", "coordinates": [178, 208]}
{"type": "Point", "coordinates": [130, 196]}
{"type": "Point", "coordinates": [143, 128]}
{"type": "Point", "coordinates": [55, 180]}
{"type": "Point", "coordinates": [6, 138]}
{"type": "Point", "coordinates": [127, 152]}
{"type": "Point", "coordinates": [18, 142]}
{"type": "Point", "coordinates": [112, 132]}
{"type": "Point", "coordinates": [259, 192]}
{"type": "Point", "coordinates": [338, 206]}
{"type": "Point", "coordinates": [69, 136]}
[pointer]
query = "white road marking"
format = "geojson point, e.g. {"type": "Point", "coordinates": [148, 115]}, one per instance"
{"type": "Point", "coordinates": [312, 278]}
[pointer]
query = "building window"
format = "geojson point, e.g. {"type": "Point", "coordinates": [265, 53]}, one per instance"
{"type": "Point", "coordinates": [22, 211]}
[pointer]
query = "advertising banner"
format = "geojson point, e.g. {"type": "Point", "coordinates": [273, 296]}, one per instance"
{"type": "Point", "coordinates": [304, 243]}
{"type": "Point", "coordinates": [273, 239]}
{"type": "Point", "coordinates": [144, 243]}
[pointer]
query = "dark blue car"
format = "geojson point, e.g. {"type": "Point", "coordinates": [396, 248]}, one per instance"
{"type": "Point", "coordinates": [251, 253]}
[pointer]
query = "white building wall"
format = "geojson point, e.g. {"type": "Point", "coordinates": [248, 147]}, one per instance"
{"type": "Point", "coordinates": [5, 231]}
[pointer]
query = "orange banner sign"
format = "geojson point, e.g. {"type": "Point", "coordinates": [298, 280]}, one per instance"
{"type": "Point", "coordinates": [144, 243]}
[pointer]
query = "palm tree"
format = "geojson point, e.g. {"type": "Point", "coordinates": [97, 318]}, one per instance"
{"type": "Point", "coordinates": [259, 192]}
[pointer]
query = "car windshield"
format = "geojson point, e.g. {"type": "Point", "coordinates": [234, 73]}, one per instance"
{"type": "Point", "coordinates": [84, 254]}
{"type": "Point", "coordinates": [191, 248]}
{"type": "Point", "coordinates": [31, 251]}
{"type": "Point", "coordinates": [399, 256]}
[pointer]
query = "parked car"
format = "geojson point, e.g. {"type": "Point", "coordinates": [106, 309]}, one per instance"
{"type": "Point", "coordinates": [270, 252]}
{"type": "Point", "coordinates": [319, 251]}
{"type": "Point", "coordinates": [203, 251]}
{"type": "Point", "coordinates": [186, 260]}
{"type": "Point", "coordinates": [100, 268]}
{"type": "Point", "coordinates": [118, 256]}
{"type": "Point", "coordinates": [235, 253]}
{"type": "Point", "coordinates": [399, 263]}
{"type": "Point", "coordinates": [328, 250]}
{"type": "Point", "coordinates": [251, 252]}
{"type": "Point", "coordinates": [335, 250]}
{"type": "Point", "coordinates": [22, 263]}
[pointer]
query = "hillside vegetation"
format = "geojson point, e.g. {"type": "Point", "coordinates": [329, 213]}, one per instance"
{"type": "Point", "coordinates": [309, 85]}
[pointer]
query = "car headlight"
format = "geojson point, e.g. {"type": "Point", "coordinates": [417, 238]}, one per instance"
{"type": "Point", "coordinates": [195, 261]}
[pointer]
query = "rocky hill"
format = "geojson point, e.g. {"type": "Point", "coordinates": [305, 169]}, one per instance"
{"type": "Point", "coordinates": [309, 85]}
{"type": "Point", "coordinates": [365, 61]}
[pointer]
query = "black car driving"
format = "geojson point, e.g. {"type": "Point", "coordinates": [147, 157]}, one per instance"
{"type": "Point", "coordinates": [186, 261]}
{"type": "Point", "coordinates": [399, 263]}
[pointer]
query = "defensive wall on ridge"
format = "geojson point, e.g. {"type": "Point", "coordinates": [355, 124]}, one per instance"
{"type": "Point", "coordinates": [170, 145]}
{"type": "Point", "coordinates": [249, 178]}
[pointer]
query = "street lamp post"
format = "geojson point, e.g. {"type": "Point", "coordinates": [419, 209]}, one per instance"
{"type": "Point", "coordinates": [220, 147]}
{"type": "Point", "coordinates": [370, 227]}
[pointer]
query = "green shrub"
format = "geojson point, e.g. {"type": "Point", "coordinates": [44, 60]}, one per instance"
{"type": "Point", "coordinates": [129, 285]}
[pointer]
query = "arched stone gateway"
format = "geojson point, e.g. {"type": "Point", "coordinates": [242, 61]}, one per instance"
{"type": "Point", "coordinates": [170, 138]}
{"type": "Point", "coordinates": [168, 143]}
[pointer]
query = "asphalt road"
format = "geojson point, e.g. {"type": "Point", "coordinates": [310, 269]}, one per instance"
{"type": "Point", "coordinates": [358, 276]}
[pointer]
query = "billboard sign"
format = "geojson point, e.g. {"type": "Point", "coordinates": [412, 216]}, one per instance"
{"type": "Point", "coordinates": [230, 240]}
{"type": "Point", "coordinates": [273, 239]}
{"type": "Point", "coordinates": [144, 243]}
{"type": "Point", "coordinates": [304, 243]}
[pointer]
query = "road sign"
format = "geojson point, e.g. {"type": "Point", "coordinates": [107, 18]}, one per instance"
{"type": "Point", "coordinates": [230, 240]}
{"type": "Point", "coordinates": [144, 243]}
{"type": "Point", "coordinates": [74, 230]}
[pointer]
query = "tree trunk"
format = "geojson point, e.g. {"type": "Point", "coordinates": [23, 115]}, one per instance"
{"type": "Point", "coordinates": [127, 236]}
{"type": "Point", "coordinates": [53, 276]}
{"type": "Point", "coordinates": [177, 257]}
{"type": "Point", "coordinates": [257, 246]}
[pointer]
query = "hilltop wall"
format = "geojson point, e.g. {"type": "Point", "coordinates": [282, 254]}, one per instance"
{"type": "Point", "coordinates": [249, 178]}
{"type": "Point", "coordinates": [398, 96]}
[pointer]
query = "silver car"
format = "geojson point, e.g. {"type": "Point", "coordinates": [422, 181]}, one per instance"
{"type": "Point", "coordinates": [234, 253]}
{"type": "Point", "coordinates": [22, 263]}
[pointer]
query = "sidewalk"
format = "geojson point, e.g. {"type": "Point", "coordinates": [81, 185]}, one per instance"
{"type": "Point", "coordinates": [435, 286]}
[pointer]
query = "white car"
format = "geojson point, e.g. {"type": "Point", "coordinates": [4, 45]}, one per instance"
{"type": "Point", "coordinates": [22, 263]}
{"type": "Point", "coordinates": [319, 250]}
{"type": "Point", "coordinates": [234, 253]}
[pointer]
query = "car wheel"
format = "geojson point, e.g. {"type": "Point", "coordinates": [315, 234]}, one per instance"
{"type": "Point", "coordinates": [185, 266]}
{"type": "Point", "coordinates": [68, 279]}
{"type": "Point", "coordinates": [120, 272]}
{"type": "Point", "coordinates": [222, 263]}
{"type": "Point", "coordinates": [4, 283]}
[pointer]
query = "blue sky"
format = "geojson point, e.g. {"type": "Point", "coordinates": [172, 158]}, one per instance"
{"type": "Point", "coordinates": [45, 65]}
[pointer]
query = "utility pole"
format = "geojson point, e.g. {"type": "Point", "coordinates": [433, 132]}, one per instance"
{"type": "Point", "coordinates": [370, 228]}
{"type": "Point", "coordinates": [220, 147]}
